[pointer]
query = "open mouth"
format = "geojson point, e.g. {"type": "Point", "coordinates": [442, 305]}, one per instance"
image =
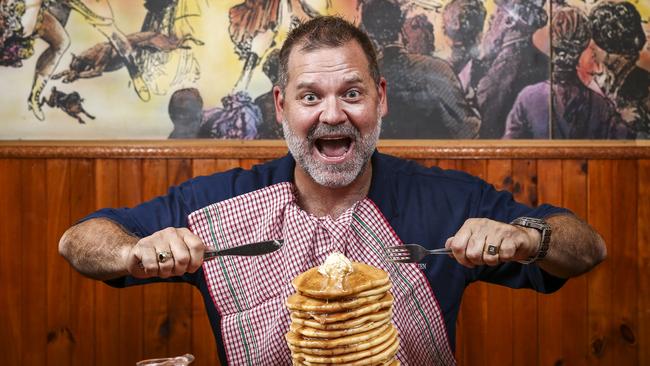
{"type": "Point", "coordinates": [333, 148]}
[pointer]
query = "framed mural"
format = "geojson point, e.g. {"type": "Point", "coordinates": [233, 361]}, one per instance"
{"type": "Point", "coordinates": [456, 69]}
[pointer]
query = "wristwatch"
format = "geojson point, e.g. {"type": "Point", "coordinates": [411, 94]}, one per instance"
{"type": "Point", "coordinates": [545, 236]}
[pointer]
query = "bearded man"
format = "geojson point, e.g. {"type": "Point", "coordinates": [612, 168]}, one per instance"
{"type": "Point", "coordinates": [333, 192]}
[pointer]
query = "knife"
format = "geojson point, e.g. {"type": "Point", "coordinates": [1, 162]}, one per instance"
{"type": "Point", "coordinates": [252, 249]}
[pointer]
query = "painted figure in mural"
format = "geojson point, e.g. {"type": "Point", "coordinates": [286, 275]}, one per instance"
{"type": "Point", "coordinates": [425, 99]}
{"type": "Point", "coordinates": [509, 61]}
{"type": "Point", "coordinates": [70, 103]}
{"type": "Point", "coordinates": [619, 38]}
{"type": "Point", "coordinates": [418, 35]}
{"type": "Point", "coordinates": [576, 112]}
{"type": "Point", "coordinates": [269, 128]}
{"type": "Point", "coordinates": [463, 25]}
{"type": "Point", "coordinates": [103, 57]}
{"type": "Point", "coordinates": [186, 112]}
{"type": "Point", "coordinates": [238, 119]}
{"type": "Point", "coordinates": [32, 19]}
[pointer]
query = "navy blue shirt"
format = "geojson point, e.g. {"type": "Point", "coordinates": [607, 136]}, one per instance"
{"type": "Point", "coordinates": [423, 205]}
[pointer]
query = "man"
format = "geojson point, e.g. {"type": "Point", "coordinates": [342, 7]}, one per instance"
{"type": "Point", "coordinates": [268, 127]}
{"type": "Point", "coordinates": [463, 25]}
{"type": "Point", "coordinates": [509, 62]}
{"type": "Point", "coordinates": [619, 38]}
{"type": "Point", "coordinates": [333, 192]}
{"type": "Point", "coordinates": [424, 95]}
{"type": "Point", "coordinates": [576, 112]}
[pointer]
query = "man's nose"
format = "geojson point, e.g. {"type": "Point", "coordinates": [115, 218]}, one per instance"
{"type": "Point", "coordinates": [332, 112]}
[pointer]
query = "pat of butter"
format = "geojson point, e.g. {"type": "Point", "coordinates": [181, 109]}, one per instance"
{"type": "Point", "coordinates": [336, 266]}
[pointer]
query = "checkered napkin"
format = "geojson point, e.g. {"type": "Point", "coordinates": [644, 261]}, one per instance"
{"type": "Point", "coordinates": [250, 292]}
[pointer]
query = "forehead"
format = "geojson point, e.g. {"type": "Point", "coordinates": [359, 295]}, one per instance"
{"type": "Point", "coordinates": [347, 61]}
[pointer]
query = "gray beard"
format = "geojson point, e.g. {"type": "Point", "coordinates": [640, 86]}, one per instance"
{"type": "Point", "coordinates": [332, 175]}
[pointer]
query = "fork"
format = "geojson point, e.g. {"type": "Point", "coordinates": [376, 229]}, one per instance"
{"type": "Point", "coordinates": [411, 253]}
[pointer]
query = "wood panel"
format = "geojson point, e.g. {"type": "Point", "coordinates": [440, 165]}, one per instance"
{"type": "Point", "coordinates": [107, 305]}
{"type": "Point", "coordinates": [52, 315]}
{"type": "Point", "coordinates": [59, 336]}
{"type": "Point", "coordinates": [11, 352]}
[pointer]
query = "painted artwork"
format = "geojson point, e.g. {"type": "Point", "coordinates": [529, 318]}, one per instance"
{"type": "Point", "coordinates": [455, 69]}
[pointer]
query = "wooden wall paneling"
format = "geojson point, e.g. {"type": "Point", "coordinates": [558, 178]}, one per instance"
{"type": "Point", "coordinates": [179, 295]}
{"type": "Point", "coordinates": [599, 280]}
{"type": "Point", "coordinates": [524, 318]}
{"type": "Point", "coordinates": [449, 164]}
{"type": "Point", "coordinates": [575, 336]}
{"type": "Point", "coordinates": [249, 163]}
{"type": "Point", "coordinates": [428, 162]}
{"type": "Point", "coordinates": [131, 304]}
{"type": "Point", "coordinates": [473, 326]}
{"type": "Point", "coordinates": [82, 290]}
{"type": "Point", "coordinates": [624, 259]}
{"type": "Point", "coordinates": [59, 336]}
{"type": "Point", "coordinates": [643, 218]}
{"type": "Point", "coordinates": [156, 315]}
{"type": "Point", "coordinates": [34, 314]}
{"type": "Point", "coordinates": [500, 341]}
{"type": "Point", "coordinates": [550, 307]}
{"type": "Point", "coordinates": [108, 347]}
{"type": "Point", "coordinates": [11, 277]}
{"type": "Point", "coordinates": [203, 342]}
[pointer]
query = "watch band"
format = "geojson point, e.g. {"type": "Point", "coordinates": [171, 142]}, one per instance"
{"type": "Point", "coordinates": [545, 236]}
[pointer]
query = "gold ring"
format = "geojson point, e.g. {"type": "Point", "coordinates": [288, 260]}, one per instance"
{"type": "Point", "coordinates": [164, 256]}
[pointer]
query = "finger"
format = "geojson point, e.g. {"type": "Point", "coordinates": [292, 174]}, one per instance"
{"type": "Point", "coordinates": [475, 247]}
{"type": "Point", "coordinates": [165, 266]}
{"type": "Point", "coordinates": [148, 260]}
{"type": "Point", "coordinates": [181, 255]}
{"type": "Point", "coordinates": [507, 250]}
{"type": "Point", "coordinates": [458, 245]}
{"type": "Point", "coordinates": [196, 250]}
{"type": "Point", "coordinates": [491, 254]}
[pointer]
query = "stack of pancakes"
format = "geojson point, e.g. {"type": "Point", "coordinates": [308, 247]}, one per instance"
{"type": "Point", "coordinates": [342, 321]}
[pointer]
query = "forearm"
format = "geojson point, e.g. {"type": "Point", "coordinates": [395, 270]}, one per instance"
{"type": "Point", "coordinates": [97, 248]}
{"type": "Point", "coordinates": [575, 247]}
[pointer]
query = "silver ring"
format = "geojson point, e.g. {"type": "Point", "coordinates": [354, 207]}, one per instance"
{"type": "Point", "coordinates": [492, 249]}
{"type": "Point", "coordinates": [164, 256]}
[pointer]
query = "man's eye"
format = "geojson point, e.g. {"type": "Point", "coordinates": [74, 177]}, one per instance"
{"type": "Point", "coordinates": [310, 98]}
{"type": "Point", "coordinates": [352, 94]}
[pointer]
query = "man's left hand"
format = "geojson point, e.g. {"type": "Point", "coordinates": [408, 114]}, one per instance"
{"type": "Point", "coordinates": [483, 241]}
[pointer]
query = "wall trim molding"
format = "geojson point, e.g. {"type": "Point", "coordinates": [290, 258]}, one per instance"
{"type": "Point", "coordinates": [267, 149]}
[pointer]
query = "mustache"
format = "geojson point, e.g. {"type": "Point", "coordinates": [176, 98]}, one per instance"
{"type": "Point", "coordinates": [342, 129]}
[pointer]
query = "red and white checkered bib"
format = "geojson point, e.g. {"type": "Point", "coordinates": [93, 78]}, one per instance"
{"type": "Point", "coordinates": [250, 292]}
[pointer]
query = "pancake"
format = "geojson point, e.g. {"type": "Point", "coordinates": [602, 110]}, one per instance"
{"type": "Point", "coordinates": [303, 303]}
{"type": "Point", "coordinates": [363, 277]}
{"type": "Point", "coordinates": [383, 337]}
{"type": "Point", "coordinates": [327, 318]}
{"type": "Point", "coordinates": [341, 314]}
{"type": "Point", "coordinates": [330, 334]}
{"type": "Point", "coordinates": [350, 357]}
{"type": "Point", "coordinates": [297, 340]}
{"type": "Point", "coordinates": [385, 355]}
{"type": "Point", "coordinates": [353, 322]}
{"type": "Point", "coordinates": [375, 291]}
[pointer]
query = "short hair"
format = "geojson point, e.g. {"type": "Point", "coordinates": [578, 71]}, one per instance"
{"type": "Point", "coordinates": [463, 20]}
{"type": "Point", "coordinates": [322, 32]}
{"type": "Point", "coordinates": [617, 28]}
{"type": "Point", "coordinates": [570, 35]}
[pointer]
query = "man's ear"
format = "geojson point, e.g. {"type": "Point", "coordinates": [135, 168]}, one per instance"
{"type": "Point", "coordinates": [278, 101]}
{"type": "Point", "coordinates": [383, 97]}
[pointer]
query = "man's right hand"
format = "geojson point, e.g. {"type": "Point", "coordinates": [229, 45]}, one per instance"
{"type": "Point", "coordinates": [141, 260]}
